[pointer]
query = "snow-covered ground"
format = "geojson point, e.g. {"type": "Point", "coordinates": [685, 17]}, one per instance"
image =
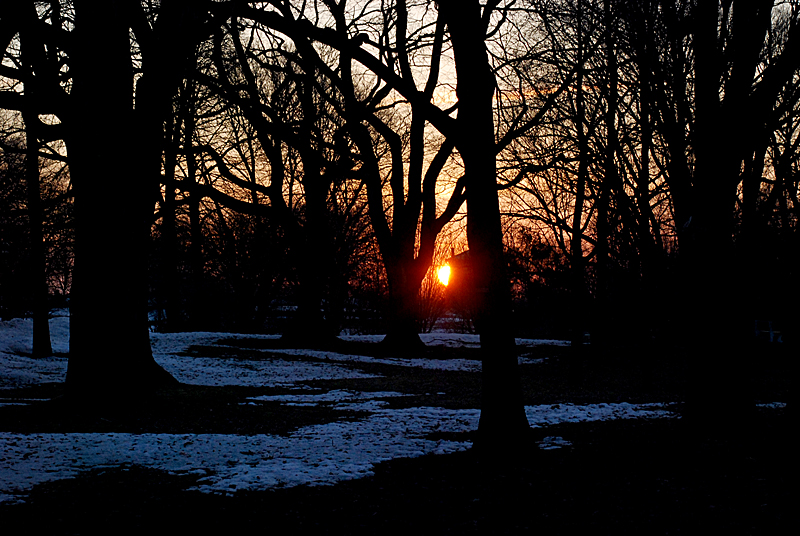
{"type": "Point", "coordinates": [319, 454]}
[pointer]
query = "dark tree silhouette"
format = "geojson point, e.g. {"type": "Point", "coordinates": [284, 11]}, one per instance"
{"type": "Point", "coordinates": [296, 137]}
{"type": "Point", "coordinates": [472, 134]}
{"type": "Point", "coordinates": [13, 229]}
{"type": "Point", "coordinates": [503, 421]}
{"type": "Point", "coordinates": [38, 261]}
{"type": "Point", "coordinates": [735, 89]}
{"type": "Point", "coordinates": [114, 152]}
{"type": "Point", "coordinates": [109, 336]}
{"type": "Point", "coordinates": [406, 236]}
{"type": "Point", "coordinates": [34, 57]}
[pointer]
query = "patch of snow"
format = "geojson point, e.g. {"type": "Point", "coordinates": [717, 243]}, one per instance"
{"type": "Point", "coordinates": [550, 414]}
{"type": "Point", "coordinates": [337, 395]}
{"type": "Point", "coordinates": [17, 368]}
{"type": "Point", "coordinates": [465, 365]}
{"type": "Point", "coordinates": [452, 340]}
{"type": "Point", "coordinates": [553, 442]}
{"type": "Point", "coordinates": [524, 360]}
{"type": "Point", "coordinates": [173, 343]}
{"type": "Point", "coordinates": [315, 455]}
{"type": "Point", "coordinates": [22, 370]}
{"type": "Point", "coordinates": [542, 342]}
{"type": "Point", "coordinates": [16, 335]}
{"type": "Point", "coordinates": [772, 405]}
{"type": "Point", "coordinates": [457, 340]}
{"type": "Point", "coordinates": [267, 373]}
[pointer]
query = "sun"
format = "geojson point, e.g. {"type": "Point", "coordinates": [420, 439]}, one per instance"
{"type": "Point", "coordinates": [444, 274]}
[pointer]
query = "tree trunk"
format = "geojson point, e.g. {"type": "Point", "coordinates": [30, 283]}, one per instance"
{"type": "Point", "coordinates": [42, 346]}
{"type": "Point", "coordinates": [712, 306]}
{"type": "Point", "coordinates": [309, 326]}
{"type": "Point", "coordinates": [170, 277]}
{"type": "Point", "coordinates": [197, 315]}
{"type": "Point", "coordinates": [577, 262]}
{"type": "Point", "coordinates": [404, 280]}
{"type": "Point", "coordinates": [32, 49]}
{"type": "Point", "coordinates": [110, 352]}
{"type": "Point", "coordinates": [503, 422]}
{"type": "Point", "coordinates": [311, 244]}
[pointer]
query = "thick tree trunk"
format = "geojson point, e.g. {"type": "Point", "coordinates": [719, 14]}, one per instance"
{"type": "Point", "coordinates": [312, 244]}
{"type": "Point", "coordinates": [503, 422]}
{"type": "Point", "coordinates": [718, 327]}
{"type": "Point", "coordinates": [110, 352]}
{"type": "Point", "coordinates": [402, 334]}
{"type": "Point", "coordinates": [309, 327]}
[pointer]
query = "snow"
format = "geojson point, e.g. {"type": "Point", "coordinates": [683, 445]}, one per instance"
{"type": "Point", "coordinates": [17, 368]}
{"type": "Point", "coordinates": [428, 364]}
{"type": "Point", "coordinates": [314, 455]}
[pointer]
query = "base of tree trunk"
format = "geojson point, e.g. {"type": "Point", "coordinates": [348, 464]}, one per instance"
{"type": "Point", "coordinates": [42, 347]}
{"type": "Point", "coordinates": [402, 344]}
{"type": "Point", "coordinates": [508, 442]}
{"type": "Point", "coordinates": [309, 338]}
{"type": "Point", "coordinates": [97, 383]}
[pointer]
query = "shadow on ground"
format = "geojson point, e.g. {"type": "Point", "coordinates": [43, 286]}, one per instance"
{"type": "Point", "coordinates": [623, 477]}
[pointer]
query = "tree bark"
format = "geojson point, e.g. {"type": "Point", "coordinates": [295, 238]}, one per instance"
{"type": "Point", "coordinates": [33, 56]}
{"type": "Point", "coordinates": [110, 352]}
{"type": "Point", "coordinates": [503, 422]}
{"type": "Point", "coordinates": [170, 277]}
{"type": "Point", "coordinates": [721, 144]}
{"type": "Point", "coordinates": [42, 346]}
{"type": "Point", "coordinates": [404, 278]}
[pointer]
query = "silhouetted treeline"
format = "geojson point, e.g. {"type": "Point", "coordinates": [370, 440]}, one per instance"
{"type": "Point", "coordinates": [625, 169]}
{"type": "Point", "coordinates": [605, 174]}
{"type": "Point", "coordinates": [23, 278]}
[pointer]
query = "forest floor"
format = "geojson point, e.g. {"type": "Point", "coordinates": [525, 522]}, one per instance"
{"type": "Point", "coordinates": [620, 476]}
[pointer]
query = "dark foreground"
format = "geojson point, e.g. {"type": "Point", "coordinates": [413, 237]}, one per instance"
{"type": "Point", "coordinates": [671, 476]}
{"type": "Point", "coordinates": [634, 477]}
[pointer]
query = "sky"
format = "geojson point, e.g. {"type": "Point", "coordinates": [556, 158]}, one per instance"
{"type": "Point", "coordinates": [315, 455]}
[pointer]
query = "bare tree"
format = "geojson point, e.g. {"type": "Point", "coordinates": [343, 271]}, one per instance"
{"type": "Point", "coordinates": [93, 100]}
{"type": "Point", "coordinates": [38, 262]}
{"type": "Point", "coordinates": [502, 414]}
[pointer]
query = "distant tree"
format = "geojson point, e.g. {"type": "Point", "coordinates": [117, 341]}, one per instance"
{"type": "Point", "coordinates": [30, 55]}
{"type": "Point", "coordinates": [687, 97]}
{"type": "Point", "coordinates": [399, 160]}
{"type": "Point", "coordinates": [38, 268]}
{"type": "Point", "coordinates": [701, 86]}
{"type": "Point", "coordinates": [33, 54]}
{"type": "Point", "coordinates": [344, 135]}
{"type": "Point", "coordinates": [385, 60]}
{"type": "Point", "coordinates": [51, 277]}
{"type": "Point", "coordinates": [407, 232]}
{"type": "Point", "coordinates": [13, 231]}
{"type": "Point", "coordinates": [293, 164]}
{"type": "Point", "coordinates": [540, 283]}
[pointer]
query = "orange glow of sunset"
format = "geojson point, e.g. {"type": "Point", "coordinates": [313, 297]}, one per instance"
{"type": "Point", "coordinates": [444, 274]}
